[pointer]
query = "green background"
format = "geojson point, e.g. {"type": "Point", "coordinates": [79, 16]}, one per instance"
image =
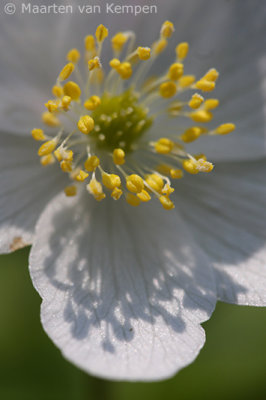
{"type": "Point", "coordinates": [232, 365]}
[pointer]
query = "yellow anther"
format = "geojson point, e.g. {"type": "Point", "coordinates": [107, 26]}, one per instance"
{"type": "Point", "coordinates": [133, 200]}
{"type": "Point", "coordinates": [144, 196]}
{"type": "Point", "coordinates": [66, 100]}
{"type": "Point", "coordinates": [144, 53]}
{"type": "Point", "coordinates": [134, 183]}
{"type": "Point", "coordinates": [47, 147]}
{"type": "Point", "coordinates": [190, 166]}
{"type": "Point", "coordinates": [66, 166]}
{"type": "Point", "coordinates": [211, 76]}
{"type": "Point", "coordinates": [196, 101]}
{"type": "Point", "coordinates": [155, 182]}
{"type": "Point", "coordinates": [166, 203]}
{"type": "Point", "coordinates": [224, 129]}
{"type": "Point", "coordinates": [164, 146]}
{"type": "Point", "coordinates": [89, 43]}
{"type": "Point", "coordinates": [211, 104]}
{"type": "Point", "coordinates": [191, 134]}
{"type": "Point", "coordinates": [116, 193]}
{"type": "Point", "coordinates": [47, 160]}
{"type": "Point", "coordinates": [92, 103]}
{"type": "Point", "coordinates": [70, 190]}
{"type": "Point", "coordinates": [38, 134]}
{"type": "Point", "coordinates": [186, 81]}
{"type": "Point", "coordinates": [159, 46]}
{"type": "Point", "coordinates": [50, 119]}
{"type": "Point", "coordinates": [92, 163]}
{"type": "Point", "coordinates": [85, 124]}
{"type": "Point", "coordinates": [168, 89]}
{"type": "Point", "coordinates": [201, 116]}
{"type": "Point", "coordinates": [167, 189]}
{"type": "Point", "coordinates": [175, 72]}
{"type": "Point", "coordinates": [94, 63]}
{"type": "Point", "coordinates": [72, 90]}
{"type": "Point", "coordinates": [101, 33]}
{"type": "Point", "coordinates": [167, 29]}
{"type": "Point", "coordinates": [182, 50]}
{"type": "Point", "coordinates": [118, 41]}
{"type": "Point", "coordinates": [73, 56]}
{"type": "Point", "coordinates": [176, 173]}
{"type": "Point", "coordinates": [119, 156]}
{"type": "Point", "coordinates": [95, 188]}
{"type": "Point", "coordinates": [204, 166]}
{"type": "Point", "coordinates": [81, 176]}
{"type": "Point", "coordinates": [111, 181]}
{"type": "Point", "coordinates": [51, 106]}
{"type": "Point", "coordinates": [125, 70]}
{"type": "Point", "coordinates": [62, 154]}
{"type": "Point", "coordinates": [114, 63]}
{"type": "Point", "coordinates": [204, 85]}
{"type": "Point", "coordinates": [57, 91]}
{"type": "Point", "coordinates": [66, 71]}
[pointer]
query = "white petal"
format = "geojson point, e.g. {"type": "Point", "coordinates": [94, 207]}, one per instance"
{"type": "Point", "coordinates": [124, 290]}
{"type": "Point", "coordinates": [226, 211]}
{"type": "Point", "coordinates": [25, 188]}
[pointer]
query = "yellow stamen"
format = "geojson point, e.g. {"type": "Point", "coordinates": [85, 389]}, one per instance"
{"type": "Point", "coordinates": [47, 147]}
{"type": "Point", "coordinates": [167, 29]}
{"type": "Point", "coordinates": [85, 124]}
{"type": "Point", "coordinates": [116, 193]}
{"type": "Point", "coordinates": [57, 91]}
{"type": "Point", "coordinates": [92, 163]}
{"type": "Point", "coordinates": [95, 188]}
{"type": "Point", "coordinates": [38, 134]}
{"type": "Point", "coordinates": [186, 81]}
{"type": "Point", "coordinates": [101, 33]}
{"type": "Point", "coordinates": [72, 90]}
{"type": "Point", "coordinates": [166, 203]}
{"type": "Point", "coordinates": [191, 134]}
{"type": "Point", "coordinates": [182, 50]}
{"type": "Point", "coordinates": [144, 53]}
{"type": "Point", "coordinates": [66, 166]}
{"type": "Point", "coordinates": [119, 156]}
{"type": "Point", "coordinates": [114, 63]}
{"type": "Point", "coordinates": [111, 181]}
{"type": "Point", "coordinates": [155, 182]}
{"type": "Point", "coordinates": [164, 146]}
{"type": "Point", "coordinates": [159, 46]}
{"type": "Point", "coordinates": [176, 173]}
{"type": "Point", "coordinates": [50, 119]}
{"type": "Point", "coordinates": [168, 89]}
{"type": "Point", "coordinates": [89, 42]}
{"type": "Point", "coordinates": [133, 200]}
{"type": "Point", "coordinates": [212, 75]}
{"type": "Point", "coordinates": [175, 72]}
{"type": "Point", "coordinates": [118, 41]}
{"type": "Point", "coordinates": [201, 116]}
{"type": "Point", "coordinates": [211, 104]}
{"type": "Point", "coordinates": [92, 103]}
{"type": "Point", "coordinates": [134, 183]}
{"type": "Point", "coordinates": [144, 196]}
{"type": "Point", "coordinates": [224, 129]}
{"type": "Point", "coordinates": [81, 176]}
{"type": "Point", "coordinates": [205, 85]}
{"type": "Point", "coordinates": [47, 160]}
{"type": "Point", "coordinates": [66, 71]}
{"type": "Point", "coordinates": [94, 63]}
{"type": "Point", "coordinates": [73, 56]}
{"type": "Point", "coordinates": [125, 70]}
{"type": "Point", "coordinates": [196, 101]}
{"type": "Point", "coordinates": [66, 100]}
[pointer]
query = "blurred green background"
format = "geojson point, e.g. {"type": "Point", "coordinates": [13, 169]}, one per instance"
{"type": "Point", "coordinates": [232, 365]}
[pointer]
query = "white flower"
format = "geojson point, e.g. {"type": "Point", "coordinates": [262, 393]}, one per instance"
{"type": "Point", "coordinates": [125, 289]}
